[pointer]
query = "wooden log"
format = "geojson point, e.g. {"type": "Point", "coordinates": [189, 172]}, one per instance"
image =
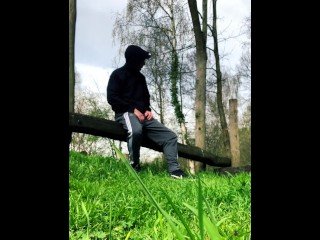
{"type": "Point", "coordinates": [233, 170]}
{"type": "Point", "coordinates": [110, 129]}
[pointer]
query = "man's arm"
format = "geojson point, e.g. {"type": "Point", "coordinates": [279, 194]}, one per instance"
{"type": "Point", "coordinates": [114, 95]}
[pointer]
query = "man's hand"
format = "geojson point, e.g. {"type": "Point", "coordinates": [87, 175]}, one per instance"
{"type": "Point", "coordinates": [148, 115]}
{"type": "Point", "coordinates": [139, 115]}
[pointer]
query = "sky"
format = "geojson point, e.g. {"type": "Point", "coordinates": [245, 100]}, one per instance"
{"type": "Point", "coordinates": [95, 52]}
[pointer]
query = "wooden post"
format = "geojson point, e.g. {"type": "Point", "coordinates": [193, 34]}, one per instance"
{"type": "Point", "coordinates": [234, 133]}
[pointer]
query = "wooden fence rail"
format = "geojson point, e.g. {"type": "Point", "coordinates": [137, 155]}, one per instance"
{"type": "Point", "coordinates": [110, 129]}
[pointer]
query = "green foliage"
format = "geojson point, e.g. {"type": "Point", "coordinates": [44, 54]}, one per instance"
{"type": "Point", "coordinates": [214, 138]}
{"type": "Point", "coordinates": [245, 136]}
{"type": "Point", "coordinates": [108, 201]}
{"type": "Point", "coordinates": [245, 146]}
{"type": "Point", "coordinates": [174, 75]}
{"type": "Point", "coordinates": [91, 104]}
{"type": "Point", "coordinates": [214, 142]}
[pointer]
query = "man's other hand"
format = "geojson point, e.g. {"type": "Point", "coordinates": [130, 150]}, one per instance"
{"type": "Point", "coordinates": [148, 115]}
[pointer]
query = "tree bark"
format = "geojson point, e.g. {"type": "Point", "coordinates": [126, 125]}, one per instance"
{"type": "Point", "coordinates": [223, 121]}
{"type": "Point", "coordinates": [107, 128]}
{"type": "Point", "coordinates": [201, 64]}
{"type": "Point", "coordinates": [234, 133]}
{"type": "Point", "coordinates": [72, 78]}
{"type": "Point", "coordinates": [72, 31]}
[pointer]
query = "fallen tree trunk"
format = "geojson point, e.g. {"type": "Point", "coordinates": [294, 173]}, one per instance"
{"type": "Point", "coordinates": [233, 170]}
{"type": "Point", "coordinates": [110, 129]}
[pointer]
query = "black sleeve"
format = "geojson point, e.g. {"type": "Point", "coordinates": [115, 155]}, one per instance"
{"type": "Point", "coordinates": [147, 96]}
{"type": "Point", "coordinates": [114, 94]}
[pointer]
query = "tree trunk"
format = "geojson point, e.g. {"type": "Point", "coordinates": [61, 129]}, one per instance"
{"type": "Point", "coordinates": [72, 31]}
{"type": "Point", "coordinates": [201, 62]}
{"type": "Point", "coordinates": [72, 80]}
{"type": "Point", "coordinates": [234, 133]}
{"type": "Point", "coordinates": [223, 121]}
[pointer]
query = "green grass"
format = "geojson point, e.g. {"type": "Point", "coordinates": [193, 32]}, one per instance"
{"type": "Point", "coordinates": [107, 200]}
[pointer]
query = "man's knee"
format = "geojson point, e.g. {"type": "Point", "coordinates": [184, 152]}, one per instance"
{"type": "Point", "coordinates": [172, 137]}
{"type": "Point", "coordinates": [136, 133]}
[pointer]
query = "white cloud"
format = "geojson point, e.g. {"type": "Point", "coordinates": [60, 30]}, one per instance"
{"type": "Point", "coordinates": [102, 5]}
{"type": "Point", "coordinates": [230, 22]}
{"type": "Point", "coordinates": [93, 41]}
{"type": "Point", "coordinates": [95, 19]}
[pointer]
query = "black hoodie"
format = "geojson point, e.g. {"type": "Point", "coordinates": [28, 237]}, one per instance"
{"type": "Point", "coordinates": [127, 88]}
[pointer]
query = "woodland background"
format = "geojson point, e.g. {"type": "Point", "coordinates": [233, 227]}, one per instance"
{"type": "Point", "coordinates": [190, 89]}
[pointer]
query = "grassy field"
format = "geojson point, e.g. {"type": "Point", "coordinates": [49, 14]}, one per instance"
{"type": "Point", "coordinates": [107, 200]}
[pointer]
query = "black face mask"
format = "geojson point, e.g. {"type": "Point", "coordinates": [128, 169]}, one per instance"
{"type": "Point", "coordinates": [135, 65]}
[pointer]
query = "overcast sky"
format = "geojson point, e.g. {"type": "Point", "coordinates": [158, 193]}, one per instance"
{"type": "Point", "coordinates": [95, 52]}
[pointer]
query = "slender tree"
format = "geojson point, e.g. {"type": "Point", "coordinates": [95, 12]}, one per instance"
{"type": "Point", "coordinates": [244, 68]}
{"type": "Point", "coordinates": [201, 62]}
{"type": "Point", "coordinates": [244, 71]}
{"type": "Point", "coordinates": [176, 78]}
{"type": "Point", "coordinates": [72, 30]}
{"type": "Point", "coordinates": [223, 121]}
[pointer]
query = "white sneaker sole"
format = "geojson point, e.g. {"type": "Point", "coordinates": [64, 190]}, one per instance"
{"type": "Point", "coordinates": [177, 177]}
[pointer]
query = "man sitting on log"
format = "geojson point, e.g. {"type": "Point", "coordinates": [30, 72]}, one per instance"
{"type": "Point", "coordinates": [129, 97]}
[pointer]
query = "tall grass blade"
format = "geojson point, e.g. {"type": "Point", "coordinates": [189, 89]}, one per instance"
{"type": "Point", "coordinates": [211, 229]}
{"type": "Point", "coordinates": [87, 216]}
{"type": "Point", "coordinates": [110, 223]}
{"type": "Point", "coordinates": [148, 194]}
{"type": "Point", "coordinates": [128, 235]}
{"type": "Point", "coordinates": [200, 209]}
{"type": "Point", "coordinates": [177, 211]}
{"type": "Point", "coordinates": [212, 218]}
